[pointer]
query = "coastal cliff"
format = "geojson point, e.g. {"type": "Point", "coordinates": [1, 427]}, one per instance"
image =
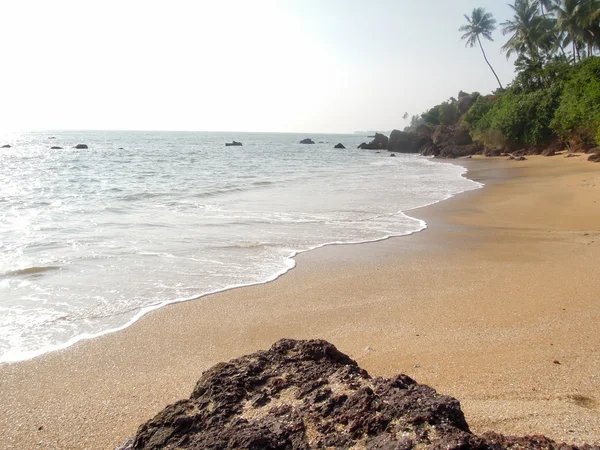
{"type": "Point", "coordinates": [308, 394]}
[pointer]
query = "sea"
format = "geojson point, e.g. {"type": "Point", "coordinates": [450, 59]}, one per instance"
{"type": "Point", "coordinates": [92, 239]}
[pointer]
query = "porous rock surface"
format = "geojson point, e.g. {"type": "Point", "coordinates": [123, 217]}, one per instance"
{"type": "Point", "coordinates": [309, 395]}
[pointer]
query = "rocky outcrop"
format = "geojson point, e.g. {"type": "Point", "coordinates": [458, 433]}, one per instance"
{"type": "Point", "coordinates": [233, 144]}
{"type": "Point", "coordinates": [379, 142]}
{"type": "Point", "coordinates": [307, 394]}
{"type": "Point", "coordinates": [340, 145]}
{"type": "Point", "coordinates": [5, 146]}
{"type": "Point", "coordinates": [406, 142]}
{"type": "Point", "coordinates": [81, 146]}
{"type": "Point", "coordinates": [307, 141]}
{"type": "Point", "coordinates": [56, 147]}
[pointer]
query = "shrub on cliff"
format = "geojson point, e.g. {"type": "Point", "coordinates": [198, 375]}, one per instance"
{"type": "Point", "coordinates": [577, 117]}
{"type": "Point", "coordinates": [523, 117]}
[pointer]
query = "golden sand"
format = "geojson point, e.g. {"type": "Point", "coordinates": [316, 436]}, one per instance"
{"type": "Point", "coordinates": [497, 303]}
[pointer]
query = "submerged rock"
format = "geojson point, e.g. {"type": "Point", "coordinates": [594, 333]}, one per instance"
{"type": "Point", "coordinates": [305, 395]}
{"type": "Point", "coordinates": [307, 141]}
{"type": "Point", "coordinates": [5, 146]}
{"type": "Point", "coordinates": [233, 144]}
{"type": "Point", "coordinates": [56, 147]}
{"type": "Point", "coordinates": [81, 146]}
{"type": "Point", "coordinates": [340, 145]}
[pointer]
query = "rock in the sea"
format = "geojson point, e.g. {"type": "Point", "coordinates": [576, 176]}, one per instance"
{"type": "Point", "coordinates": [406, 142]}
{"type": "Point", "coordinates": [393, 154]}
{"type": "Point", "coordinates": [340, 145]}
{"type": "Point", "coordinates": [56, 147]}
{"type": "Point", "coordinates": [81, 146]}
{"type": "Point", "coordinates": [309, 395]}
{"type": "Point", "coordinates": [5, 146]}
{"type": "Point", "coordinates": [379, 142]}
{"type": "Point", "coordinates": [307, 141]}
{"type": "Point", "coordinates": [233, 144]}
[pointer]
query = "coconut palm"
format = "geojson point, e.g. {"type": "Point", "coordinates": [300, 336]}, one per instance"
{"type": "Point", "coordinates": [569, 20]}
{"type": "Point", "coordinates": [479, 24]}
{"type": "Point", "coordinates": [529, 30]}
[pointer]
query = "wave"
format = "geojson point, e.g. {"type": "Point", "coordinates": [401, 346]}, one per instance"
{"type": "Point", "coordinates": [36, 270]}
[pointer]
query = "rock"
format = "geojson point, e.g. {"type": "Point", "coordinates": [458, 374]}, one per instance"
{"type": "Point", "coordinates": [393, 154]}
{"type": "Point", "coordinates": [593, 150]}
{"type": "Point", "coordinates": [461, 137]}
{"type": "Point", "coordinates": [572, 155]}
{"type": "Point", "coordinates": [423, 130]}
{"type": "Point", "coordinates": [307, 141]}
{"type": "Point", "coordinates": [308, 395]}
{"type": "Point", "coordinates": [492, 152]}
{"type": "Point", "coordinates": [340, 145]}
{"type": "Point", "coordinates": [5, 146]}
{"type": "Point", "coordinates": [81, 146]}
{"type": "Point", "coordinates": [520, 158]}
{"type": "Point", "coordinates": [595, 157]}
{"type": "Point", "coordinates": [430, 149]}
{"type": "Point", "coordinates": [380, 142]}
{"type": "Point", "coordinates": [406, 142]}
{"type": "Point", "coordinates": [457, 151]}
{"type": "Point", "coordinates": [548, 152]}
{"type": "Point", "coordinates": [51, 137]}
{"type": "Point", "coordinates": [233, 144]}
{"type": "Point", "coordinates": [121, 148]}
{"type": "Point", "coordinates": [56, 147]}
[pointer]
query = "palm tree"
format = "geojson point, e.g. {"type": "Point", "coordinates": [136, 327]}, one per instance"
{"type": "Point", "coordinates": [579, 20]}
{"type": "Point", "coordinates": [529, 30]}
{"type": "Point", "coordinates": [479, 24]}
{"type": "Point", "coordinates": [568, 16]}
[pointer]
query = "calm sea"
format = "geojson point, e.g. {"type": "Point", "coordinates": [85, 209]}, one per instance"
{"type": "Point", "coordinates": [90, 240]}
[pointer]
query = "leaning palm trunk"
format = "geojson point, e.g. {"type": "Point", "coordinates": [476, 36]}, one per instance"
{"type": "Point", "coordinates": [488, 63]}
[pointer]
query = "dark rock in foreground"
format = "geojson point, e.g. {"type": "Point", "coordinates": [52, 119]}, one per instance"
{"type": "Point", "coordinates": [307, 141]}
{"type": "Point", "coordinates": [307, 394]}
{"type": "Point", "coordinates": [233, 144]}
{"type": "Point", "coordinates": [81, 146]}
{"type": "Point", "coordinates": [340, 145]}
{"type": "Point", "coordinates": [5, 146]}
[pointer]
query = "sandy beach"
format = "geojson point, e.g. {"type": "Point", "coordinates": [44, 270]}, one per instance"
{"type": "Point", "coordinates": [497, 303]}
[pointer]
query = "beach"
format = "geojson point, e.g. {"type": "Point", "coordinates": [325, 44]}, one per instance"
{"type": "Point", "coordinates": [497, 303]}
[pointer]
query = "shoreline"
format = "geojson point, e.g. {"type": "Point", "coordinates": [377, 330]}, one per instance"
{"type": "Point", "coordinates": [290, 263]}
{"type": "Point", "coordinates": [392, 305]}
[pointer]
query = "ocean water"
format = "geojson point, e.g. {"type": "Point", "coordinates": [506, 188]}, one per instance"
{"type": "Point", "coordinates": [90, 240]}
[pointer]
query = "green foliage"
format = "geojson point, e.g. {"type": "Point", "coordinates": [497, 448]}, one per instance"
{"type": "Point", "coordinates": [578, 115]}
{"type": "Point", "coordinates": [448, 113]}
{"type": "Point", "coordinates": [478, 110]}
{"type": "Point", "coordinates": [523, 117]}
{"type": "Point", "coordinates": [432, 117]}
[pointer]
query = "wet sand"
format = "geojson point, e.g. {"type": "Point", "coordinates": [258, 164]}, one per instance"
{"type": "Point", "coordinates": [497, 303]}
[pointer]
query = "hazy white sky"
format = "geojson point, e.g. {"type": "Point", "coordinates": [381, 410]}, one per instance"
{"type": "Point", "coordinates": [247, 65]}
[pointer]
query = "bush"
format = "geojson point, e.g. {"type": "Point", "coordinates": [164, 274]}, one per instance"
{"type": "Point", "coordinates": [578, 114]}
{"type": "Point", "coordinates": [448, 113]}
{"type": "Point", "coordinates": [478, 110]}
{"type": "Point", "coordinates": [523, 117]}
{"type": "Point", "coordinates": [432, 117]}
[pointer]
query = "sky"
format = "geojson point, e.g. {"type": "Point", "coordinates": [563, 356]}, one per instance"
{"type": "Point", "coordinates": [248, 65]}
